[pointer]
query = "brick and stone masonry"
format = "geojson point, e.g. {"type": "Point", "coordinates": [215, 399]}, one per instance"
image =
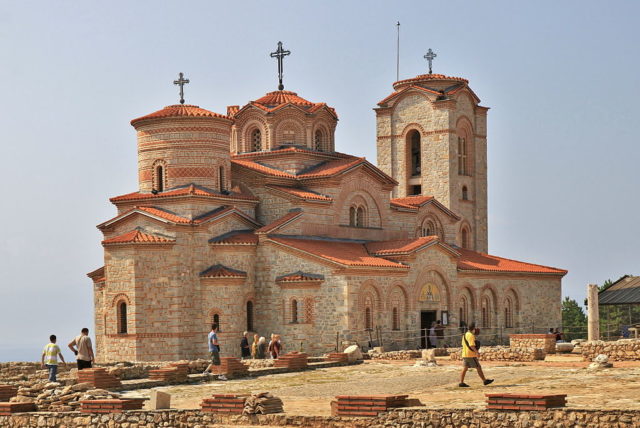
{"type": "Point", "coordinates": [253, 220]}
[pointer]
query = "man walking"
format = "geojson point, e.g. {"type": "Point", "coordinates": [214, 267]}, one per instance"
{"type": "Point", "coordinates": [214, 351]}
{"type": "Point", "coordinates": [50, 358]}
{"type": "Point", "coordinates": [84, 351]}
{"type": "Point", "coordinates": [470, 356]}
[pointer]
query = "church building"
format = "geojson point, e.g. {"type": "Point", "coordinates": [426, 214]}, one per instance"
{"type": "Point", "coordinates": [251, 219]}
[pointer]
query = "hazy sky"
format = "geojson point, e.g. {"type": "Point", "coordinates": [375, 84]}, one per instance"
{"type": "Point", "coordinates": [561, 79]}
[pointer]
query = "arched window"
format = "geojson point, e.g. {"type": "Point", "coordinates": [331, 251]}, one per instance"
{"type": "Point", "coordinates": [415, 153]}
{"type": "Point", "coordinates": [464, 310]}
{"type": "Point", "coordinates": [360, 217]}
{"type": "Point", "coordinates": [486, 312]}
{"type": "Point", "coordinates": [318, 141]}
{"type": "Point", "coordinates": [352, 216]}
{"type": "Point", "coordinates": [215, 319]}
{"type": "Point", "coordinates": [464, 237]}
{"type": "Point", "coordinates": [294, 311]}
{"type": "Point", "coordinates": [395, 319]}
{"type": "Point", "coordinates": [428, 228]}
{"type": "Point", "coordinates": [368, 325]}
{"type": "Point", "coordinates": [250, 316]}
{"type": "Point", "coordinates": [463, 161]}
{"type": "Point", "coordinates": [256, 140]}
{"type": "Point", "coordinates": [465, 193]}
{"type": "Point", "coordinates": [508, 314]}
{"type": "Point", "coordinates": [221, 178]}
{"type": "Point", "coordinates": [122, 318]}
{"type": "Point", "coordinates": [159, 184]}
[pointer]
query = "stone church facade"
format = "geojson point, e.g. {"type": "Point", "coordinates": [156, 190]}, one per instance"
{"type": "Point", "coordinates": [253, 220]}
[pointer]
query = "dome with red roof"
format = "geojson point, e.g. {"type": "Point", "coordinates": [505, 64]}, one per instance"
{"type": "Point", "coordinates": [430, 79]}
{"type": "Point", "coordinates": [179, 110]}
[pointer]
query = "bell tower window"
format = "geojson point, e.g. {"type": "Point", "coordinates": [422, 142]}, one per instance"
{"type": "Point", "coordinates": [463, 167]}
{"type": "Point", "coordinates": [415, 153]}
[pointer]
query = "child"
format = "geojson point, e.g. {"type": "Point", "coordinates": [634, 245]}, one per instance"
{"type": "Point", "coordinates": [50, 358]}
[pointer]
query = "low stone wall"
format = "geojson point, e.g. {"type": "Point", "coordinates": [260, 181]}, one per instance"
{"type": "Point", "coordinates": [544, 341]}
{"type": "Point", "coordinates": [620, 350]}
{"type": "Point", "coordinates": [407, 354]}
{"type": "Point", "coordinates": [505, 353]}
{"type": "Point", "coordinates": [562, 417]}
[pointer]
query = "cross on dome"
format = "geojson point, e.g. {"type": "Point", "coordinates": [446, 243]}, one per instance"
{"type": "Point", "coordinates": [181, 82]}
{"type": "Point", "coordinates": [280, 53]}
{"type": "Point", "coordinates": [430, 57]}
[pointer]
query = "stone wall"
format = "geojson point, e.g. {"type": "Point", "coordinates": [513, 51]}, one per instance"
{"type": "Point", "coordinates": [620, 350]}
{"type": "Point", "coordinates": [505, 353]}
{"type": "Point", "coordinates": [564, 417]}
{"type": "Point", "coordinates": [544, 341]}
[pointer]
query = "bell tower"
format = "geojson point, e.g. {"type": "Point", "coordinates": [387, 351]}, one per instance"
{"type": "Point", "coordinates": [432, 139]}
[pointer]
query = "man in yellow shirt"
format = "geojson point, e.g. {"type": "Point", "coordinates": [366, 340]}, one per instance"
{"type": "Point", "coordinates": [470, 356]}
{"type": "Point", "coordinates": [50, 355]}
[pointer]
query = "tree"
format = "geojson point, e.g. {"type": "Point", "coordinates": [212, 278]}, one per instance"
{"type": "Point", "coordinates": [574, 320]}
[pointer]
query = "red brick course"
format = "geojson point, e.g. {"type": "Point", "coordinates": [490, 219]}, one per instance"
{"type": "Point", "coordinates": [8, 391]}
{"type": "Point", "coordinates": [111, 406]}
{"type": "Point", "coordinates": [224, 403]}
{"type": "Point", "coordinates": [98, 378]}
{"type": "Point", "coordinates": [366, 405]}
{"type": "Point", "coordinates": [292, 361]}
{"type": "Point", "coordinates": [231, 367]}
{"type": "Point", "coordinates": [9, 408]}
{"type": "Point", "coordinates": [525, 402]}
{"type": "Point", "coordinates": [338, 357]}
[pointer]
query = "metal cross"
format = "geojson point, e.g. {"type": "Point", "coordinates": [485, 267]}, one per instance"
{"type": "Point", "coordinates": [280, 54]}
{"type": "Point", "coordinates": [181, 82]}
{"type": "Point", "coordinates": [429, 57]}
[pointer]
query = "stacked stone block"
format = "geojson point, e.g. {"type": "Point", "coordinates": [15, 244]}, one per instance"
{"type": "Point", "coordinates": [8, 391]}
{"type": "Point", "coordinates": [111, 406]}
{"type": "Point", "coordinates": [525, 401]}
{"type": "Point", "coordinates": [366, 405]}
{"type": "Point", "coordinates": [224, 403]}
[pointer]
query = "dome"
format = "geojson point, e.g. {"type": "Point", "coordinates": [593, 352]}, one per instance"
{"type": "Point", "coordinates": [432, 79]}
{"type": "Point", "coordinates": [180, 110]}
{"type": "Point", "coordinates": [277, 98]}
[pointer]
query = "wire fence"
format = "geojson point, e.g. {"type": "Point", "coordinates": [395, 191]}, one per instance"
{"type": "Point", "coordinates": [393, 340]}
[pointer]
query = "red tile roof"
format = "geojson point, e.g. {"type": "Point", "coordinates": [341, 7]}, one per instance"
{"type": "Point", "coordinates": [179, 110]}
{"type": "Point", "coordinates": [137, 237]}
{"type": "Point", "coordinates": [285, 219]}
{"type": "Point", "coordinates": [300, 276]}
{"type": "Point", "coordinates": [191, 190]}
{"type": "Point", "coordinates": [330, 168]}
{"type": "Point", "coordinates": [236, 237]}
{"type": "Point", "coordinates": [290, 150]}
{"type": "Point", "coordinates": [278, 99]}
{"type": "Point", "coordinates": [301, 193]}
{"type": "Point", "coordinates": [221, 271]}
{"type": "Point", "coordinates": [167, 215]}
{"type": "Point", "coordinates": [423, 77]}
{"type": "Point", "coordinates": [262, 168]}
{"type": "Point", "coordinates": [97, 275]}
{"type": "Point", "coordinates": [345, 253]}
{"type": "Point", "coordinates": [415, 202]}
{"type": "Point", "coordinates": [474, 261]}
{"type": "Point", "coordinates": [174, 218]}
{"type": "Point", "coordinates": [399, 246]}
{"type": "Point", "coordinates": [411, 201]}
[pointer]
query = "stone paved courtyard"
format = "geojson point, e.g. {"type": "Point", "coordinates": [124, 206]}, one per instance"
{"type": "Point", "coordinates": [309, 393]}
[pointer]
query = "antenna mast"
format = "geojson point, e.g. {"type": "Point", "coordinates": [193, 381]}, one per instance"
{"type": "Point", "coordinates": [398, 53]}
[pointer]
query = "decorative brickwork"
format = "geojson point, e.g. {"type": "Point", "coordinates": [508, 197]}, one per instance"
{"type": "Point", "coordinates": [258, 208]}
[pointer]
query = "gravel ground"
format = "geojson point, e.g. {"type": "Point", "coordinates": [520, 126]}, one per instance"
{"type": "Point", "coordinates": [309, 393]}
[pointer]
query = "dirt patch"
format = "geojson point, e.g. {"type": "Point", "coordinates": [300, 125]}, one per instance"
{"type": "Point", "coordinates": [310, 392]}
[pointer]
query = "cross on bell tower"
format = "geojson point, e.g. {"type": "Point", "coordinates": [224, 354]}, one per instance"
{"type": "Point", "coordinates": [280, 54]}
{"type": "Point", "coordinates": [181, 82]}
{"type": "Point", "coordinates": [430, 57]}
